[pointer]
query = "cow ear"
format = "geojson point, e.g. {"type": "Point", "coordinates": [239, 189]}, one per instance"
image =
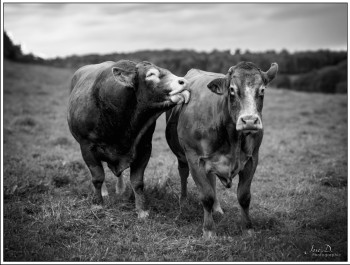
{"type": "Point", "coordinates": [218, 86]}
{"type": "Point", "coordinates": [126, 78]}
{"type": "Point", "coordinates": [271, 73]}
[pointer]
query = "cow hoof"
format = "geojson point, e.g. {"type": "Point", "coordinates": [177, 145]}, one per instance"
{"type": "Point", "coordinates": [105, 194]}
{"type": "Point", "coordinates": [209, 234]}
{"type": "Point", "coordinates": [104, 190]}
{"type": "Point", "coordinates": [143, 214]}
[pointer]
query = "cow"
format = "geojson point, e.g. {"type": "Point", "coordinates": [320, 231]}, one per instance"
{"type": "Point", "coordinates": [112, 113]}
{"type": "Point", "coordinates": [218, 134]}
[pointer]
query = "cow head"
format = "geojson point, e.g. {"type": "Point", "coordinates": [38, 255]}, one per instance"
{"type": "Point", "coordinates": [244, 86]}
{"type": "Point", "coordinates": [154, 86]}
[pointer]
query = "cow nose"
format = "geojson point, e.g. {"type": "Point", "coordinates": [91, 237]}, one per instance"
{"type": "Point", "coordinates": [250, 120]}
{"type": "Point", "coordinates": [249, 123]}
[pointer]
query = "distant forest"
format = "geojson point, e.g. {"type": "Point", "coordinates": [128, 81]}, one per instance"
{"type": "Point", "coordinates": [312, 71]}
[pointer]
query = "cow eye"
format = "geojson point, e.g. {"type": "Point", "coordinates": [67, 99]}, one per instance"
{"type": "Point", "coordinates": [232, 90]}
{"type": "Point", "coordinates": [150, 74]}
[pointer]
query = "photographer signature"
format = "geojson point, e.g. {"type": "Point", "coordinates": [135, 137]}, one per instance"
{"type": "Point", "coordinates": [324, 251]}
{"type": "Point", "coordinates": [327, 249]}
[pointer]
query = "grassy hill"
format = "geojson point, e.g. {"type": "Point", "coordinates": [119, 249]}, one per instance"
{"type": "Point", "coordinates": [299, 192]}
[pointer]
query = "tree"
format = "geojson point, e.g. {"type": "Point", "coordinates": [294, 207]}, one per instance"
{"type": "Point", "coordinates": [11, 51]}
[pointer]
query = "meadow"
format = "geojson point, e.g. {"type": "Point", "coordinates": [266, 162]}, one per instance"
{"type": "Point", "coordinates": [299, 192]}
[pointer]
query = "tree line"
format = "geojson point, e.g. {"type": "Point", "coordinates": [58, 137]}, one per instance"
{"type": "Point", "coordinates": [14, 52]}
{"type": "Point", "coordinates": [180, 61]}
{"type": "Point", "coordinates": [321, 70]}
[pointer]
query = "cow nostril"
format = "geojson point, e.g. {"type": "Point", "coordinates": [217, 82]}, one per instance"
{"type": "Point", "coordinates": [250, 119]}
{"type": "Point", "coordinates": [181, 82]}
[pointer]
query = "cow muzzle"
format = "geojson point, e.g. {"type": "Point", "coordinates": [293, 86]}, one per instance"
{"type": "Point", "coordinates": [179, 92]}
{"type": "Point", "coordinates": [249, 124]}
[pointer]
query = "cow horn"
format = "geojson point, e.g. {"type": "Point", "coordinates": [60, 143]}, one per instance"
{"type": "Point", "coordinates": [230, 71]}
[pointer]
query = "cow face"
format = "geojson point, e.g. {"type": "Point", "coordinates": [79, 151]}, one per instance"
{"type": "Point", "coordinates": [244, 86]}
{"type": "Point", "coordinates": [154, 86]}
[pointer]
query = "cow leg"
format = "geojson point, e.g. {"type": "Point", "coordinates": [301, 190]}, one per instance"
{"type": "Point", "coordinates": [104, 190]}
{"type": "Point", "coordinates": [137, 170]}
{"type": "Point", "coordinates": [97, 173]}
{"type": "Point", "coordinates": [243, 190]}
{"type": "Point", "coordinates": [120, 185]}
{"type": "Point", "coordinates": [183, 172]}
{"type": "Point", "coordinates": [207, 197]}
{"type": "Point", "coordinates": [216, 207]}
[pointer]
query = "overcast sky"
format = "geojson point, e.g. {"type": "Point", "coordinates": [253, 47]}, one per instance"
{"type": "Point", "coordinates": [65, 29]}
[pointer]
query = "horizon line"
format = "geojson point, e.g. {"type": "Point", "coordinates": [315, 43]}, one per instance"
{"type": "Point", "coordinates": [232, 52]}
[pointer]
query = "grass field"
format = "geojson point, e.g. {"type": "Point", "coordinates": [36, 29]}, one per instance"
{"type": "Point", "coordinates": [299, 192]}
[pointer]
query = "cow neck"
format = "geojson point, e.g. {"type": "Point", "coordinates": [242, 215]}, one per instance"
{"type": "Point", "coordinates": [140, 118]}
{"type": "Point", "coordinates": [241, 146]}
{"type": "Point", "coordinates": [235, 138]}
{"type": "Point", "coordinates": [141, 121]}
{"type": "Point", "coordinates": [110, 123]}
{"type": "Point", "coordinates": [135, 119]}
{"type": "Point", "coordinates": [116, 104]}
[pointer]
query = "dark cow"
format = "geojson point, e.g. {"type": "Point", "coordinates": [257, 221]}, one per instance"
{"type": "Point", "coordinates": [112, 113]}
{"type": "Point", "coordinates": [218, 134]}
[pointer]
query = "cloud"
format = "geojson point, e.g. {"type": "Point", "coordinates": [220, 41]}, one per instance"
{"type": "Point", "coordinates": [306, 11]}
{"type": "Point", "coordinates": [64, 29]}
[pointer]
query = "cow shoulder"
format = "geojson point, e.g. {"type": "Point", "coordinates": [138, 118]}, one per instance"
{"type": "Point", "coordinates": [83, 111]}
